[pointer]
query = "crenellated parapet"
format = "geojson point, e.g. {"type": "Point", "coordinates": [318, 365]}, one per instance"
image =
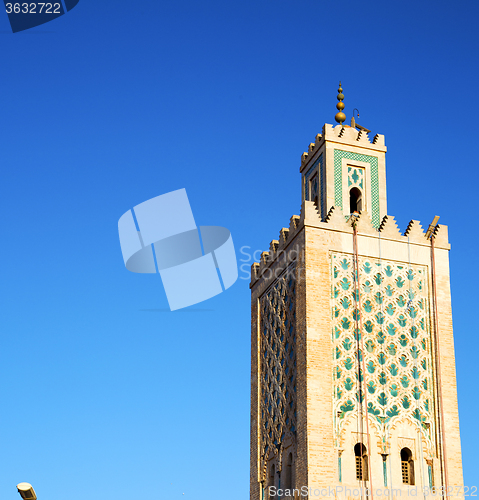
{"type": "Point", "coordinates": [277, 248]}
{"type": "Point", "coordinates": [414, 232]}
{"type": "Point", "coordinates": [336, 220]}
{"type": "Point", "coordinates": [254, 272]}
{"type": "Point", "coordinates": [379, 140]}
{"type": "Point", "coordinates": [312, 149]}
{"type": "Point", "coordinates": [352, 135]}
{"type": "Point", "coordinates": [273, 246]}
{"type": "Point", "coordinates": [265, 257]}
{"type": "Point", "coordinates": [363, 223]}
{"type": "Point", "coordinates": [344, 135]}
{"type": "Point", "coordinates": [441, 238]}
{"type": "Point", "coordinates": [283, 237]}
{"type": "Point", "coordinates": [309, 213]}
{"type": "Point", "coordinates": [294, 223]}
{"type": "Point", "coordinates": [389, 228]}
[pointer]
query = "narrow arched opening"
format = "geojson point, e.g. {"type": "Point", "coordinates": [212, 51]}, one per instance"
{"type": "Point", "coordinates": [271, 483]}
{"type": "Point", "coordinates": [288, 474]}
{"type": "Point", "coordinates": [361, 462]}
{"type": "Point", "coordinates": [355, 200]}
{"type": "Point", "coordinates": [407, 466]}
{"type": "Point", "coordinates": [314, 189]}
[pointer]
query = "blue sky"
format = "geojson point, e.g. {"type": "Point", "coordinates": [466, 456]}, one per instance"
{"type": "Point", "coordinates": [106, 393]}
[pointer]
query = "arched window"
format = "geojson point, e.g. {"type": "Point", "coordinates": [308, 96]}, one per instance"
{"type": "Point", "coordinates": [355, 200]}
{"type": "Point", "coordinates": [271, 482]}
{"type": "Point", "coordinates": [361, 462]}
{"type": "Point", "coordinates": [407, 466]}
{"type": "Point", "coordinates": [313, 188]}
{"type": "Point", "coordinates": [288, 474]}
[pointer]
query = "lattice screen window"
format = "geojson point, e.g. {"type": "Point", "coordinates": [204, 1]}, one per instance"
{"type": "Point", "coordinates": [359, 468]}
{"type": "Point", "coordinates": [278, 361]}
{"type": "Point", "coordinates": [405, 471]}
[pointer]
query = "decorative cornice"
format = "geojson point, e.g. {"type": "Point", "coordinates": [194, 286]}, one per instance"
{"type": "Point", "coordinates": [335, 220]}
{"type": "Point", "coordinates": [342, 135]}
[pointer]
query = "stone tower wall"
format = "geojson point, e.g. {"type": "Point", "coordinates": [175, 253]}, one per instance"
{"type": "Point", "coordinates": [409, 363]}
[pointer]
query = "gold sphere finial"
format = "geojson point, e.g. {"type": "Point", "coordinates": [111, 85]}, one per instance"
{"type": "Point", "coordinates": [340, 117]}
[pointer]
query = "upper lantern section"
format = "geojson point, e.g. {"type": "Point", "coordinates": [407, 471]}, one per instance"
{"type": "Point", "coordinates": [345, 169]}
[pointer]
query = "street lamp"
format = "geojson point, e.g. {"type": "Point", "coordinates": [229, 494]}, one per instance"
{"type": "Point", "coordinates": [26, 491]}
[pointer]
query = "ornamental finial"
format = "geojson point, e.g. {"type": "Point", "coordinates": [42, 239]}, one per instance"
{"type": "Point", "coordinates": [340, 117]}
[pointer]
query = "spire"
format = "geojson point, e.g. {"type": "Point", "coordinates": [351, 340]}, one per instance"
{"type": "Point", "coordinates": [340, 117]}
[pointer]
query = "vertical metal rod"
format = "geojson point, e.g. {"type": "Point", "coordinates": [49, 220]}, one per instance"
{"type": "Point", "coordinates": [360, 419]}
{"type": "Point", "coordinates": [438, 357]}
{"type": "Point", "coordinates": [355, 236]}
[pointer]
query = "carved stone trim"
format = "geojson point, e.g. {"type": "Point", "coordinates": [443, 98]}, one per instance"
{"type": "Point", "coordinates": [407, 443]}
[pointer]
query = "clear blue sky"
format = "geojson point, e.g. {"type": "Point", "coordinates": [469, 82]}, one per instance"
{"type": "Point", "coordinates": [106, 394]}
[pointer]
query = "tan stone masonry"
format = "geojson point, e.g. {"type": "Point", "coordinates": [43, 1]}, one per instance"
{"type": "Point", "coordinates": [323, 438]}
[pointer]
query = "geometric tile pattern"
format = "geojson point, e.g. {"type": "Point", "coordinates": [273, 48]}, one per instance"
{"type": "Point", "coordinates": [278, 362]}
{"type": "Point", "coordinates": [338, 180]}
{"type": "Point", "coordinates": [356, 177]}
{"type": "Point", "coordinates": [397, 346]}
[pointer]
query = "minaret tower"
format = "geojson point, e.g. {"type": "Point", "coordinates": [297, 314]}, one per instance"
{"type": "Point", "coordinates": [353, 388]}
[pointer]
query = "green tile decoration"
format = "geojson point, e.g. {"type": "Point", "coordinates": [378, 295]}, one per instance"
{"type": "Point", "coordinates": [338, 180]}
{"type": "Point", "coordinates": [356, 177]}
{"type": "Point", "coordinates": [397, 357]}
